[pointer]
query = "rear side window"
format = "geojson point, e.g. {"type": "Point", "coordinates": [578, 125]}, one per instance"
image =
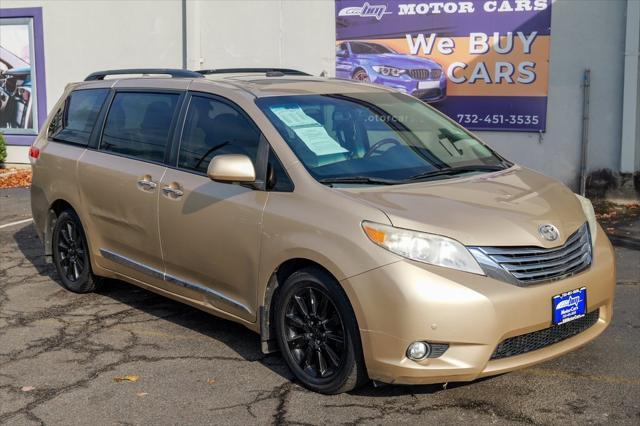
{"type": "Point", "coordinates": [213, 128]}
{"type": "Point", "coordinates": [74, 122]}
{"type": "Point", "coordinates": [138, 125]}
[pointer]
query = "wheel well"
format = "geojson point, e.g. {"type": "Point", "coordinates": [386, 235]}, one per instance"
{"type": "Point", "coordinates": [280, 275]}
{"type": "Point", "coordinates": [356, 70]}
{"type": "Point", "coordinates": [55, 209]}
{"type": "Point", "coordinates": [59, 206]}
{"type": "Point", "coordinates": [285, 270]}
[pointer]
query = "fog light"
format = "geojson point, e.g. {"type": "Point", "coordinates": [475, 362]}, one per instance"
{"type": "Point", "coordinates": [418, 351]}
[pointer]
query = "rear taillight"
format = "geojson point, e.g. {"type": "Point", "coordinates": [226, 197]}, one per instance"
{"type": "Point", "coordinates": [34, 153]}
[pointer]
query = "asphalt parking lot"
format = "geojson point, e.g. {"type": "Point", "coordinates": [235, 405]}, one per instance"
{"type": "Point", "coordinates": [60, 354]}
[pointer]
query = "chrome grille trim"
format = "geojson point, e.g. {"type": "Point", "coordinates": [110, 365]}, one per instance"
{"type": "Point", "coordinates": [533, 265]}
{"type": "Point", "coordinates": [549, 263]}
{"type": "Point", "coordinates": [517, 251]}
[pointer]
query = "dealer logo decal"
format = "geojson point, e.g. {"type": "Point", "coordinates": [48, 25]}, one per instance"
{"type": "Point", "coordinates": [366, 11]}
{"type": "Point", "coordinates": [570, 302]}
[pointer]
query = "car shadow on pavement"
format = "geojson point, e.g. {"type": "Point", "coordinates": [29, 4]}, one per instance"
{"type": "Point", "coordinates": [236, 337]}
{"type": "Point", "coordinates": [30, 245]}
{"type": "Point", "coordinates": [382, 390]}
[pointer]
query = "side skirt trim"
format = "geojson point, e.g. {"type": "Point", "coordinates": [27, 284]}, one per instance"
{"type": "Point", "coordinates": [141, 267]}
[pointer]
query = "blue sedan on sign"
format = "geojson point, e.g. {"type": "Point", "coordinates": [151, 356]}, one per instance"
{"type": "Point", "coordinates": [376, 63]}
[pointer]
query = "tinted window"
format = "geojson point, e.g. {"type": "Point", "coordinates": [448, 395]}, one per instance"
{"type": "Point", "coordinates": [212, 128]}
{"type": "Point", "coordinates": [277, 177]}
{"type": "Point", "coordinates": [56, 123]}
{"type": "Point", "coordinates": [74, 122]}
{"type": "Point", "coordinates": [138, 124]}
{"type": "Point", "coordinates": [369, 48]}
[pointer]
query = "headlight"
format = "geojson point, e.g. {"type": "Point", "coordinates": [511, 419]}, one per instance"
{"type": "Point", "coordinates": [422, 247]}
{"type": "Point", "coordinates": [394, 72]}
{"type": "Point", "coordinates": [587, 208]}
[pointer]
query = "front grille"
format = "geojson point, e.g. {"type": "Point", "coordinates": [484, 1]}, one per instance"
{"type": "Point", "coordinates": [524, 343]}
{"type": "Point", "coordinates": [419, 74]}
{"type": "Point", "coordinates": [529, 265]}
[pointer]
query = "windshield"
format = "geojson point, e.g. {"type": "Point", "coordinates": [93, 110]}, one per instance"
{"type": "Point", "coordinates": [369, 48]}
{"type": "Point", "coordinates": [382, 138]}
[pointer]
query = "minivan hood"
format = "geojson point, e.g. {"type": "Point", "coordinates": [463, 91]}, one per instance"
{"type": "Point", "coordinates": [504, 208]}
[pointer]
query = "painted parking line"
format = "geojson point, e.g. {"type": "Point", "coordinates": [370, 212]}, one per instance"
{"type": "Point", "coordinates": [18, 222]}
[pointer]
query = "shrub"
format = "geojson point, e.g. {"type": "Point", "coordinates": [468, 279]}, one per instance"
{"type": "Point", "coordinates": [3, 149]}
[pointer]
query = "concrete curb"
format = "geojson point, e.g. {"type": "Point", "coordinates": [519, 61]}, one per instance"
{"type": "Point", "coordinates": [626, 242]}
{"type": "Point", "coordinates": [13, 172]}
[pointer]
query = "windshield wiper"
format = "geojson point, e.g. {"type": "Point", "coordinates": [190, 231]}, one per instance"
{"type": "Point", "coordinates": [358, 180]}
{"type": "Point", "coordinates": [451, 171]}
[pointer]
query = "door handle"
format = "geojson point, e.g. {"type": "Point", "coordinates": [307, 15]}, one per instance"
{"type": "Point", "coordinates": [173, 191]}
{"type": "Point", "coordinates": [145, 183]}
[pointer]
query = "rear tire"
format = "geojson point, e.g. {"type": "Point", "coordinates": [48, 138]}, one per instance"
{"type": "Point", "coordinates": [318, 334]}
{"type": "Point", "coordinates": [71, 254]}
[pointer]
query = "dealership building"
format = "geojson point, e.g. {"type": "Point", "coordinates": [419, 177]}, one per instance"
{"type": "Point", "coordinates": [554, 86]}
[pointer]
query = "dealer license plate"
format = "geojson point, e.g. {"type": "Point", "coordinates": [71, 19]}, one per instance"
{"type": "Point", "coordinates": [568, 306]}
{"type": "Point", "coordinates": [428, 84]}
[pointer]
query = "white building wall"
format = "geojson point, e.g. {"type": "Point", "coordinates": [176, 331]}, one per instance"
{"type": "Point", "coordinates": [584, 34]}
{"type": "Point", "coordinates": [265, 33]}
{"type": "Point", "coordinates": [85, 36]}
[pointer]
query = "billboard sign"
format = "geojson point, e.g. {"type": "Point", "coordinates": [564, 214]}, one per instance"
{"type": "Point", "coordinates": [484, 63]}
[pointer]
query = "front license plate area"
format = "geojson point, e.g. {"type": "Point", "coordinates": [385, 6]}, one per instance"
{"type": "Point", "coordinates": [568, 306]}
{"type": "Point", "coordinates": [428, 84]}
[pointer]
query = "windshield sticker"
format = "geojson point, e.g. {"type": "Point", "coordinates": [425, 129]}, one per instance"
{"type": "Point", "coordinates": [312, 133]}
{"type": "Point", "coordinates": [294, 117]}
{"type": "Point", "coordinates": [319, 141]}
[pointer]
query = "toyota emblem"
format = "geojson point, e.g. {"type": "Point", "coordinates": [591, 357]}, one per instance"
{"type": "Point", "coordinates": [549, 232]}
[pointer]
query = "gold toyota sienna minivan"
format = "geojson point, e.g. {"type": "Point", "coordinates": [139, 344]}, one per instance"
{"type": "Point", "coordinates": [360, 232]}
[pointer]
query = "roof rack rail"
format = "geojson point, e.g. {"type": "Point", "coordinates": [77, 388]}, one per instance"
{"type": "Point", "coordinates": [271, 72]}
{"type": "Point", "coordinates": [174, 73]}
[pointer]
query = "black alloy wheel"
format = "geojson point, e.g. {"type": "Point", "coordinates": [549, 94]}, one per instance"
{"type": "Point", "coordinates": [314, 333]}
{"type": "Point", "coordinates": [361, 76]}
{"type": "Point", "coordinates": [71, 254]}
{"type": "Point", "coordinates": [317, 333]}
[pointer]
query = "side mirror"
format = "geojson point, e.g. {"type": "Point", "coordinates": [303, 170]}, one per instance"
{"type": "Point", "coordinates": [341, 53]}
{"type": "Point", "coordinates": [231, 168]}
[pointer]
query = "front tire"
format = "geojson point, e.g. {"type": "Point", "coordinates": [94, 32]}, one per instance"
{"type": "Point", "coordinates": [318, 334]}
{"type": "Point", "coordinates": [71, 254]}
{"type": "Point", "coordinates": [361, 76]}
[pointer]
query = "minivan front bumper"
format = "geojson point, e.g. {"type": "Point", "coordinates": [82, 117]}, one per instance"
{"type": "Point", "coordinates": [408, 301]}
